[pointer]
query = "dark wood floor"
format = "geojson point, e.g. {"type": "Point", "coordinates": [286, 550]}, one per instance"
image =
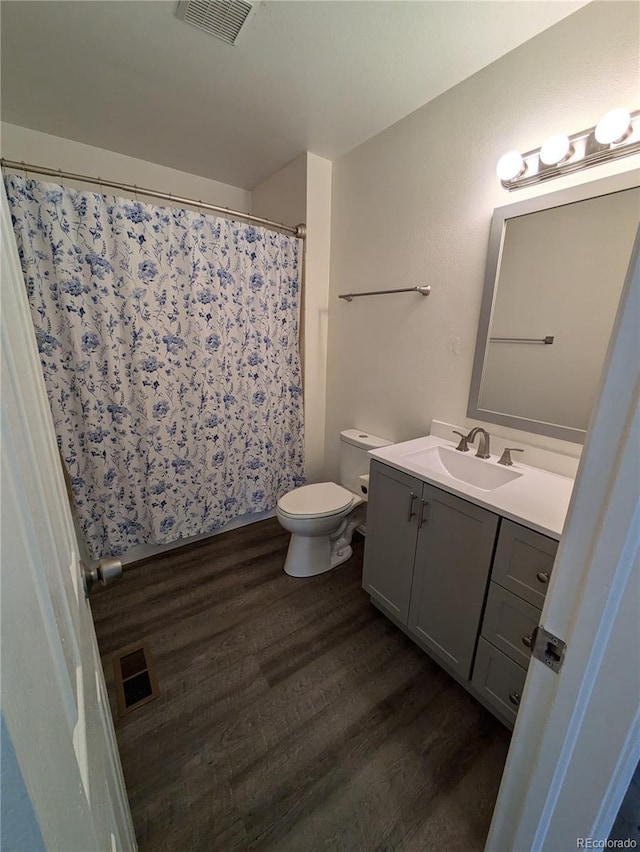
{"type": "Point", "coordinates": [293, 716]}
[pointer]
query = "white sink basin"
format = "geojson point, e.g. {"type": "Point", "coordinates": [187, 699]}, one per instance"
{"type": "Point", "coordinates": [484, 474]}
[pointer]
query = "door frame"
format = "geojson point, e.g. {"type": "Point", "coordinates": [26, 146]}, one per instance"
{"type": "Point", "coordinates": [547, 797]}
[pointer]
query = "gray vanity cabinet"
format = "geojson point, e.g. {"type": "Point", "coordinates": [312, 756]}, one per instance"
{"type": "Point", "coordinates": [390, 544]}
{"type": "Point", "coordinates": [432, 558]}
{"type": "Point", "coordinates": [452, 565]}
{"type": "Point", "coordinates": [426, 562]}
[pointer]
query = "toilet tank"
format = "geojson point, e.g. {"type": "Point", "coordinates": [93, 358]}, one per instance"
{"type": "Point", "coordinates": [354, 456]}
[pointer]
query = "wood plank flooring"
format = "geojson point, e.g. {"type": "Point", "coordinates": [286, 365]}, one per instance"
{"type": "Point", "coordinates": [293, 716]}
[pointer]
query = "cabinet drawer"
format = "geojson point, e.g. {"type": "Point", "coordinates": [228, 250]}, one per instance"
{"type": "Point", "coordinates": [509, 623]}
{"type": "Point", "coordinates": [523, 562]}
{"type": "Point", "coordinates": [498, 679]}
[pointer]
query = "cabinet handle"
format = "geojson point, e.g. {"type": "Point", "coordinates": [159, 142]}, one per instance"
{"type": "Point", "coordinates": [411, 512]}
{"type": "Point", "coordinates": [424, 505]}
{"type": "Point", "coordinates": [527, 641]}
{"type": "Point", "coordinates": [514, 698]}
{"type": "Point", "coordinates": [543, 576]}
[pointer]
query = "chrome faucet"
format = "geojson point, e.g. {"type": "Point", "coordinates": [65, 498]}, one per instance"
{"type": "Point", "coordinates": [483, 445]}
{"type": "Point", "coordinates": [505, 458]}
{"type": "Point", "coordinates": [462, 444]}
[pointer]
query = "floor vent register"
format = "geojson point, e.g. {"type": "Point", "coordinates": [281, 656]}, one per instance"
{"type": "Point", "coordinates": [135, 676]}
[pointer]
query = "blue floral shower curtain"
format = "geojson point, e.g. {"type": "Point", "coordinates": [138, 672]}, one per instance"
{"type": "Point", "coordinates": [169, 345]}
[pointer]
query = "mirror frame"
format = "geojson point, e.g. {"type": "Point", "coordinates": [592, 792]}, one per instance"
{"type": "Point", "coordinates": [582, 192]}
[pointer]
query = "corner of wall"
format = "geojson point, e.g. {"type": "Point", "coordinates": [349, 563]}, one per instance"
{"type": "Point", "coordinates": [301, 192]}
{"type": "Point", "coordinates": [282, 197]}
{"type": "Point", "coordinates": [318, 257]}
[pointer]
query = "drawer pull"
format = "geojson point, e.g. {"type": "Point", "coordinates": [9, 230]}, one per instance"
{"type": "Point", "coordinates": [411, 512]}
{"type": "Point", "coordinates": [527, 641]}
{"type": "Point", "coordinates": [514, 698]}
{"type": "Point", "coordinates": [543, 576]}
{"type": "Point", "coordinates": [424, 505]}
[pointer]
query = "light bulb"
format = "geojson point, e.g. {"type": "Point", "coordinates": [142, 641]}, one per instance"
{"type": "Point", "coordinates": [556, 150]}
{"type": "Point", "coordinates": [613, 127]}
{"type": "Point", "coordinates": [510, 166]}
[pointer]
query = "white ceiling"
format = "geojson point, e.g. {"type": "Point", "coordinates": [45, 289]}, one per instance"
{"type": "Point", "coordinates": [306, 75]}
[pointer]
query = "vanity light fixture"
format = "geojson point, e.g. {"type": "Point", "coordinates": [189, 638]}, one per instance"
{"type": "Point", "coordinates": [616, 135]}
{"type": "Point", "coordinates": [556, 150]}
{"type": "Point", "coordinates": [613, 128]}
{"type": "Point", "coordinates": [510, 166]}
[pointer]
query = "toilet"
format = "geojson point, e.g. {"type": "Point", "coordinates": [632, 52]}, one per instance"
{"type": "Point", "coordinates": [322, 517]}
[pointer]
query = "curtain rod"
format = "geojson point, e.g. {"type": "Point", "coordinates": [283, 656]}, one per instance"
{"type": "Point", "coordinates": [296, 230]}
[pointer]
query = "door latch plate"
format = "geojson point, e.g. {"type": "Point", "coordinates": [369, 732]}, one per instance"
{"type": "Point", "coordinates": [549, 649]}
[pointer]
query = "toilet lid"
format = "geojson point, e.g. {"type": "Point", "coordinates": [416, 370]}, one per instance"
{"type": "Point", "coordinates": [315, 501]}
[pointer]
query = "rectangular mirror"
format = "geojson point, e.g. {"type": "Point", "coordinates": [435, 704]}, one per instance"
{"type": "Point", "coordinates": [555, 271]}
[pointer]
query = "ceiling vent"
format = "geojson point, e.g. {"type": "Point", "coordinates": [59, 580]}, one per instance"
{"type": "Point", "coordinates": [220, 18]}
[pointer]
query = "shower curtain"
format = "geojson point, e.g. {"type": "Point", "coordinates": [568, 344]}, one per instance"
{"type": "Point", "coordinates": [169, 346]}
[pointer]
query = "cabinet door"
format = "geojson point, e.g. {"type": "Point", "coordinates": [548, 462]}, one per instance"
{"type": "Point", "coordinates": [523, 562]}
{"type": "Point", "coordinates": [453, 559]}
{"type": "Point", "coordinates": [390, 543]}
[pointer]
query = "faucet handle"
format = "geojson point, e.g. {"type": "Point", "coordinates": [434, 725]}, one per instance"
{"type": "Point", "coordinates": [462, 446]}
{"type": "Point", "coordinates": [505, 458]}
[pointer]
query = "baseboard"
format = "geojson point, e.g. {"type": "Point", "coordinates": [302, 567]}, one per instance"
{"type": "Point", "coordinates": [144, 551]}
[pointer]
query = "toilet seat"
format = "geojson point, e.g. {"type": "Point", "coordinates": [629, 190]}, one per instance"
{"type": "Point", "coordinates": [319, 500]}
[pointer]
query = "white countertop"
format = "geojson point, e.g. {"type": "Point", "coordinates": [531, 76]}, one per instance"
{"type": "Point", "coordinates": [538, 499]}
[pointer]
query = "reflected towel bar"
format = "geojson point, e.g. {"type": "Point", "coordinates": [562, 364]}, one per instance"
{"type": "Point", "coordinates": [546, 340]}
{"type": "Point", "coordinates": [348, 297]}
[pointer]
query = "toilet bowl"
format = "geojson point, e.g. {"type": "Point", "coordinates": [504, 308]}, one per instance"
{"type": "Point", "coordinates": [322, 517]}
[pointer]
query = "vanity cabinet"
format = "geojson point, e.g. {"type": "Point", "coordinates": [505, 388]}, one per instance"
{"type": "Point", "coordinates": [390, 543]}
{"type": "Point", "coordinates": [452, 565]}
{"type": "Point", "coordinates": [423, 548]}
{"type": "Point", "coordinates": [467, 585]}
